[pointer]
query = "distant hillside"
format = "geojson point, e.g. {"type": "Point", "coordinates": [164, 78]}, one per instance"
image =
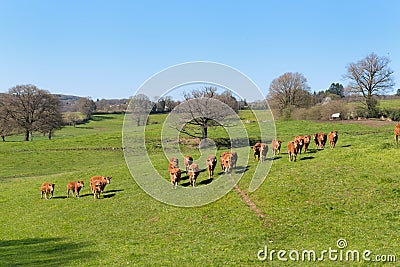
{"type": "Point", "coordinates": [68, 104]}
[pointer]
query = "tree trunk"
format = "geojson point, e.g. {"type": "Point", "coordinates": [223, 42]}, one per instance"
{"type": "Point", "coordinates": [204, 132]}
{"type": "Point", "coordinates": [3, 138]}
{"type": "Point", "coordinates": [26, 135]}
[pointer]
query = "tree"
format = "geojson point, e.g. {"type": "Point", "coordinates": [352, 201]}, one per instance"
{"type": "Point", "coordinates": [50, 119]}
{"type": "Point", "coordinates": [203, 109]}
{"type": "Point", "coordinates": [86, 106]}
{"type": "Point", "coordinates": [336, 89]}
{"type": "Point", "coordinates": [290, 90]}
{"type": "Point", "coordinates": [30, 108]}
{"type": "Point", "coordinates": [368, 77]}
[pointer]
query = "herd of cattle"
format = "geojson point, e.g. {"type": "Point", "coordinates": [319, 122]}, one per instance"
{"type": "Point", "coordinates": [228, 159]}
{"type": "Point", "coordinates": [97, 185]}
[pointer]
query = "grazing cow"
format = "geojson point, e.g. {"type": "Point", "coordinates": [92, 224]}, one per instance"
{"type": "Point", "coordinates": [292, 150]}
{"type": "Point", "coordinates": [276, 147]}
{"type": "Point", "coordinates": [397, 133]}
{"type": "Point", "coordinates": [47, 189]}
{"type": "Point", "coordinates": [306, 140]}
{"type": "Point", "coordinates": [174, 161]}
{"type": "Point", "coordinates": [75, 186]}
{"type": "Point", "coordinates": [300, 142]}
{"type": "Point", "coordinates": [211, 162]}
{"type": "Point", "coordinates": [193, 173]}
{"type": "Point", "coordinates": [175, 175]}
{"type": "Point", "coordinates": [99, 181]}
{"type": "Point", "coordinates": [187, 161]}
{"type": "Point", "coordinates": [333, 137]}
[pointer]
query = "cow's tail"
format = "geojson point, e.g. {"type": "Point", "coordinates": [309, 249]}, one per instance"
{"type": "Point", "coordinates": [396, 138]}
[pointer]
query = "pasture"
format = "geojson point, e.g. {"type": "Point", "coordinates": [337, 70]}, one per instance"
{"type": "Point", "coordinates": [350, 192]}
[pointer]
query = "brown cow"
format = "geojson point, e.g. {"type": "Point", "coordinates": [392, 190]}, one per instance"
{"type": "Point", "coordinates": [276, 147]}
{"type": "Point", "coordinates": [96, 188]}
{"type": "Point", "coordinates": [292, 150]}
{"type": "Point", "coordinates": [260, 151]}
{"type": "Point", "coordinates": [333, 137]}
{"type": "Point", "coordinates": [187, 161]}
{"type": "Point", "coordinates": [229, 161]}
{"type": "Point", "coordinates": [234, 158]}
{"type": "Point", "coordinates": [397, 133]}
{"type": "Point", "coordinates": [256, 151]}
{"type": "Point", "coordinates": [300, 142]}
{"type": "Point", "coordinates": [320, 140]}
{"type": "Point", "coordinates": [101, 182]}
{"type": "Point", "coordinates": [75, 186]}
{"type": "Point", "coordinates": [193, 173]}
{"type": "Point", "coordinates": [221, 160]}
{"type": "Point", "coordinates": [47, 189]}
{"type": "Point", "coordinates": [175, 175]}
{"type": "Point", "coordinates": [315, 138]}
{"type": "Point", "coordinates": [306, 139]}
{"type": "Point", "coordinates": [174, 161]}
{"type": "Point", "coordinates": [211, 162]}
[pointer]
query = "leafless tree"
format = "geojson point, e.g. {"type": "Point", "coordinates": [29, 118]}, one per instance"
{"type": "Point", "coordinates": [31, 109]}
{"type": "Point", "coordinates": [290, 90]}
{"type": "Point", "coordinates": [140, 107]}
{"type": "Point", "coordinates": [368, 77]}
{"type": "Point", "coordinates": [86, 106]}
{"type": "Point", "coordinates": [203, 108]}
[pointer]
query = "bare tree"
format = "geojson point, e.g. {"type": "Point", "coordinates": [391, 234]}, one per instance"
{"type": "Point", "coordinates": [140, 106]}
{"type": "Point", "coordinates": [28, 107]}
{"type": "Point", "coordinates": [202, 109]}
{"type": "Point", "coordinates": [368, 77]}
{"type": "Point", "coordinates": [290, 90]}
{"type": "Point", "coordinates": [86, 106]}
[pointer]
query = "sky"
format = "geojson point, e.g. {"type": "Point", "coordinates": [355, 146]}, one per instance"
{"type": "Point", "coordinates": [108, 49]}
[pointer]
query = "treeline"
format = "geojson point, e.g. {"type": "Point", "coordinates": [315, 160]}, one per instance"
{"type": "Point", "coordinates": [290, 96]}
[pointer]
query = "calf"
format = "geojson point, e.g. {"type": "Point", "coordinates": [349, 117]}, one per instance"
{"type": "Point", "coordinates": [292, 150]}
{"type": "Point", "coordinates": [234, 158]}
{"type": "Point", "coordinates": [263, 151]}
{"type": "Point", "coordinates": [187, 161]}
{"type": "Point", "coordinates": [322, 140]}
{"type": "Point", "coordinates": [96, 188]}
{"type": "Point", "coordinates": [175, 175]}
{"type": "Point", "coordinates": [300, 142]}
{"type": "Point", "coordinates": [397, 133]}
{"type": "Point", "coordinates": [260, 151]}
{"type": "Point", "coordinates": [211, 162]}
{"type": "Point", "coordinates": [333, 137]}
{"type": "Point", "coordinates": [47, 189]}
{"type": "Point", "coordinates": [193, 173]}
{"type": "Point", "coordinates": [276, 147]}
{"type": "Point", "coordinates": [75, 186]}
{"type": "Point", "coordinates": [221, 160]}
{"type": "Point", "coordinates": [100, 181]}
{"type": "Point", "coordinates": [315, 138]}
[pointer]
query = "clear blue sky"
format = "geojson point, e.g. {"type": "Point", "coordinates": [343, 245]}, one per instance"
{"type": "Point", "coordinates": [107, 49]}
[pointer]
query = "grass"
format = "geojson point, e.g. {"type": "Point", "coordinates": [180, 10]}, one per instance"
{"type": "Point", "coordinates": [351, 192]}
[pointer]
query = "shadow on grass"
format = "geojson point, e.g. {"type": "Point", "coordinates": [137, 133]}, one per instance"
{"type": "Point", "coordinates": [206, 182]}
{"type": "Point", "coordinates": [307, 158]}
{"type": "Point", "coordinates": [346, 146]}
{"type": "Point", "coordinates": [241, 169]}
{"type": "Point", "coordinates": [101, 118]}
{"type": "Point", "coordinates": [42, 252]}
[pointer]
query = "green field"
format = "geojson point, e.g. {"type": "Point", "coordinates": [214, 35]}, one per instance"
{"type": "Point", "coordinates": [350, 192]}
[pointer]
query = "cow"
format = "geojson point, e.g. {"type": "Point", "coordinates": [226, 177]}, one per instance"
{"type": "Point", "coordinates": [174, 161]}
{"type": "Point", "coordinates": [260, 151]}
{"type": "Point", "coordinates": [47, 189]}
{"type": "Point", "coordinates": [397, 133]}
{"type": "Point", "coordinates": [229, 161]}
{"type": "Point", "coordinates": [276, 147]}
{"type": "Point", "coordinates": [320, 140]}
{"type": "Point", "coordinates": [187, 161]}
{"type": "Point", "coordinates": [193, 173]}
{"type": "Point", "coordinates": [96, 188]}
{"type": "Point", "coordinates": [300, 142]}
{"type": "Point", "coordinates": [234, 158]}
{"type": "Point", "coordinates": [75, 186]}
{"type": "Point", "coordinates": [101, 182]}
{"type": "Point", "coordinates": [306, 140]}
{"type": "Point", "coordinates": [256, 151]}
{"type": "Point", "coordinates": [175, 175]}
{"type": "Point", "coordinates": [292, 150]}
{"type": "Point", "coordinates": [211, 162]}
{"type": "Point", "coordinates": [221, 160]}
{"type": "Point", "coordinates": [333, 137]}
